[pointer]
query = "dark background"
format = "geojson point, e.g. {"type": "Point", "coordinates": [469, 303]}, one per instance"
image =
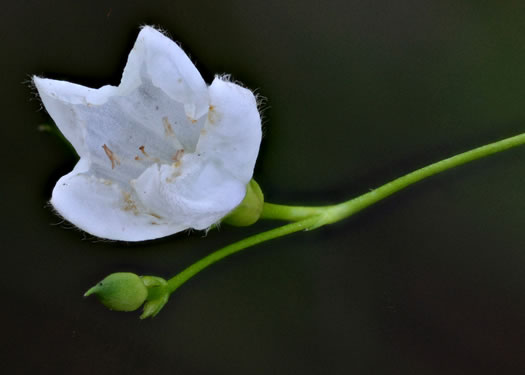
{"type": "Point", "coordinates": [430, 281]}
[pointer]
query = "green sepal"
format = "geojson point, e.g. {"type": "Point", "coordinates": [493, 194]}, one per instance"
{"type": "Point", "coordinates": [250, 209]}
{"type": "Point", "coordinates": [153, 307]}
{"type": "Point", "coordinates": [158, 295]}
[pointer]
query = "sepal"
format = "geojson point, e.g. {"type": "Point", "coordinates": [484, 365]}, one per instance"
{"type": "Point", "coordinates": [250, 209]}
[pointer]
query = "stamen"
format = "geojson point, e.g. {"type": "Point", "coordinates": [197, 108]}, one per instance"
{"type": "Point", "coordinates": [111, 155]}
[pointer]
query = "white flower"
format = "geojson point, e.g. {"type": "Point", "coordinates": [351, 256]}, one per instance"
{"type": "Point", "coordinates": [160, 153]}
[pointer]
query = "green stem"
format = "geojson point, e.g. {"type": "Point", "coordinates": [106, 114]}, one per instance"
{"type": "Point", "coordinates": [198, 266]}
{"type": "Point", "coordinates": [313, 217]}
{"type": "Point", "coordinates": [289, 213]}
{"type": "Point", "coordinates": [343, 210]}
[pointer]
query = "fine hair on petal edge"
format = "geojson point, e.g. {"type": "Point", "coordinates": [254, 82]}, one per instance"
{"type": "Point", "coordinates": [65, 224]}
{"type": "Point", "coordinates": [29, 82]}
{"type": "Point", "coordinates": [216, 225]}
{"type": "Point", "coordinates": [262, 107]}
{"type": "Point", "coordinates": [260, 100]}
{"type": "Point", "coordinates": [159, 28]}
{"type": "Point", "coordinates": [168, 35]}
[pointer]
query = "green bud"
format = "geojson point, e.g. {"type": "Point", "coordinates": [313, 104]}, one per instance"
{"type": "Point", "coordinates": [249, 211]}
{"type": "Point", "coordinates": [121, 291]}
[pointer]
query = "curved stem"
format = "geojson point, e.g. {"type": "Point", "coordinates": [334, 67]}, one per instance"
{"type": "Point", "coordinates": [348, 208]}
{"type": "Point", "coordinates": [313, 217]}
{"type": "Point", "coordinates": [340, 211]}
{"type": "Point", "coordinates": [207, 261]}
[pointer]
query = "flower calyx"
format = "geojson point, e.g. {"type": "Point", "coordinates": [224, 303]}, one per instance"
{"type": "Point", "coordinates": [250, 209]}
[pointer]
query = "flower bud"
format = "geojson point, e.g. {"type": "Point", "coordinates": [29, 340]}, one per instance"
{"type": "Point", "coordinates": [249, 211]}
{"type": "Point", "coordinates": [121, 291]}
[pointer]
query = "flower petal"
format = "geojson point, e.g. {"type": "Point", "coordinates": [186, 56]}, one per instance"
{"type": "Point", "coordinates": [60, 98]}
{"type": "Point", "coordinates": [157, 58]}
{"type": "Point", "coordinates": [105, 209]}
{"type": "Point", "coordinates": [121, 135]}
{"type": "Point", "coordinates": [232, 133]}
{"type": "Point", "coordinates": [158, 107]}
{"type": "Point", "coordinates": [196, 195]}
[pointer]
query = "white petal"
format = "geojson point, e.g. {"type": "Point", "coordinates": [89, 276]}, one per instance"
{"type": "Point", "coordinates": [104, 209]}
{"type": "Point", "coordinates": [149, 109]}
{"type": "Point", "coordinates": [232, 133]}
{"type": "Point", "coordinates": [157, 58]}
{"type": "Point", "coordinates": [196, 195]}
{"type": "Point", "coordinates": [141, 128]}
{"type": "Point", "coordinates": [59, 98]}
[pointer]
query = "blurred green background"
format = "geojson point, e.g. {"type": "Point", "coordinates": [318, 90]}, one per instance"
{"type": "Point", "coordinates": [429, 281]}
